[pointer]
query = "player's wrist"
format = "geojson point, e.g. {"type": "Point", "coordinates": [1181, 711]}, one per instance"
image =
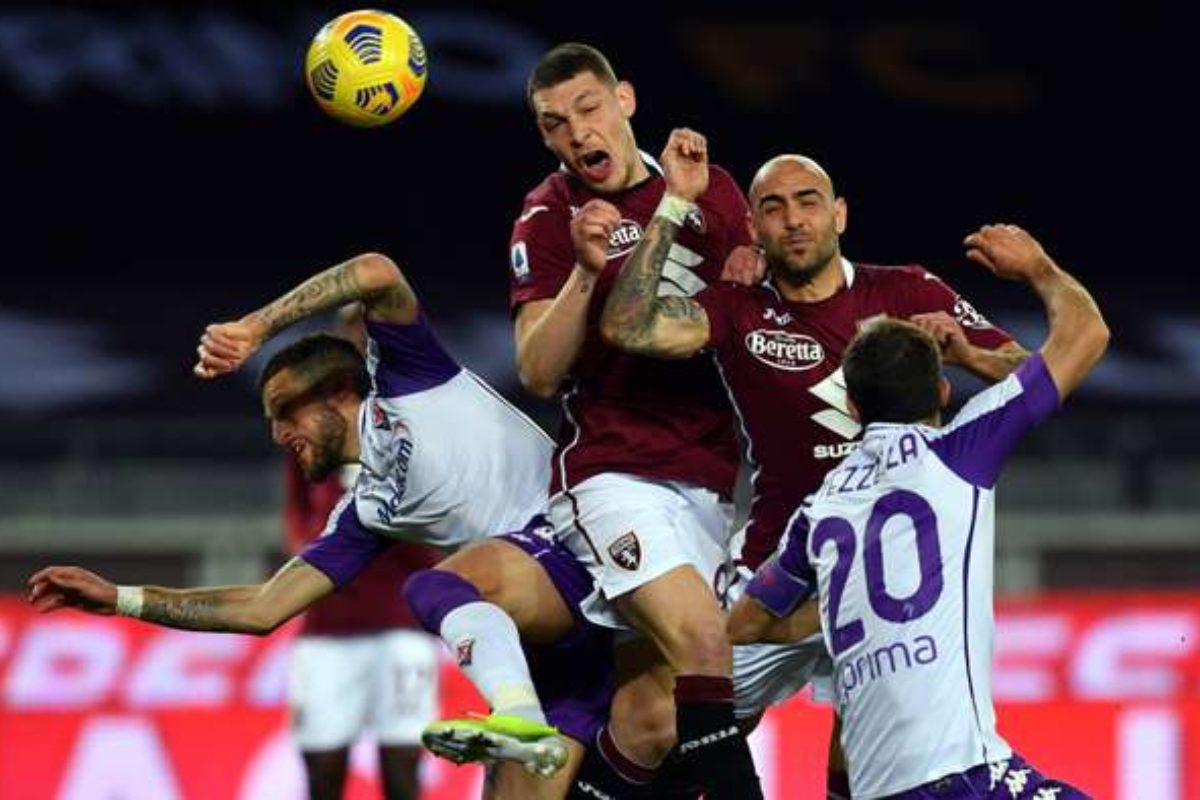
{"type": "Point", "coordinates": [674, 208]}
{"type": "Point", "coordinates": [130, 600]}
{"type": "Point", "coordinates": [777, 590]}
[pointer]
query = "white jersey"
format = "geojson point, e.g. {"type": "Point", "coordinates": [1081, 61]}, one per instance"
{"type": "Point", "coordinates": [900, 537]}
{"type": "Point", "coordinates": [445, 460]}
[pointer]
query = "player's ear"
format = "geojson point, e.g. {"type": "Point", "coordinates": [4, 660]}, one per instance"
{"type": "Point", "coordinates": [943, 392]}
{"type": "Point", "coordinates": [840, 212]}
{"type": "Point", "coordinates": [626, 98]}
{"type": "Point", "coordinates": [852, 409]}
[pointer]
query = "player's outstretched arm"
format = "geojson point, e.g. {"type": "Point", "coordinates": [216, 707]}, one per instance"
{"type": "Point", "coordinates": [750, 622]}
{"type": "Point", "coordinates": [372, 278]}
{"type": "Point", "coordinates": [254, 609]}
{"type": "Point", "coordinates": [992, 365]}
{"type": "Point", "coordinates": [635, 318]}
{"type": "Point", "coordinates": [1078, 334]}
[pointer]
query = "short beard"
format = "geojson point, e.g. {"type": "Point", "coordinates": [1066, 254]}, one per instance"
{"type": "Point", "coordinates": [805, 274]}
{"type": "Point", "coordinates": [327, 449]}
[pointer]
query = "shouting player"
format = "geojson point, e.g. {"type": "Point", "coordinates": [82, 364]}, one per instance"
{"type": "Point", "coordinates": [912, 641]}
{"type": "Point", "coordinates": [444, 461]}
{"type": "Point", "coordinates": [646, 458]}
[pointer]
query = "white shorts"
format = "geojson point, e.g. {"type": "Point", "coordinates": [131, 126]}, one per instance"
{"type": "Point", "coordinates": [767, 674]}
{"type": "Point", "coordinates": [341, 686]}
{"type": "Point", "coordinates": [628, 530]}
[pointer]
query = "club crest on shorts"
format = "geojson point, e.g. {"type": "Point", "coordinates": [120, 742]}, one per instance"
{"type": "Point", "coordinates": [626, 551]}
{"type": "Point", "coordinates": [464, 651]}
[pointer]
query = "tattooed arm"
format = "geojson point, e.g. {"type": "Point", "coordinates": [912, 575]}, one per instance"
{"type": "Point", "coordinates": [635, 318]}
{"type": "Point", "coordinates": [255, 609]}
{"type": "Point", "coordinates": [371, 278]}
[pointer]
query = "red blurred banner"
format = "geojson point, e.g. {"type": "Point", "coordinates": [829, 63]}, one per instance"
{"type": "Point", "coordinates": [1101, 690]}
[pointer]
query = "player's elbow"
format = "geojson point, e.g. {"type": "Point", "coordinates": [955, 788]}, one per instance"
{"type": "Point", "coordinates": [258, 620]}
{"type": "Point", "coordinates": [1099, 337]}
{"type": "Point", "coordinates": [535, 379]}
{"type": "Point", "coordinates": [375, 272]}
{"type": "Point", "coordinates": [537, 385]}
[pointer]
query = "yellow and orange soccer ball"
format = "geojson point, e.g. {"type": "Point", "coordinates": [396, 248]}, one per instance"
{"type": "Point", "coordinates": [366, 68]}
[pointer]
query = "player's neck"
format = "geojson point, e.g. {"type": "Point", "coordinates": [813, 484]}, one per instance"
{"type": "Point", "coordinates": [638, 173]}
{"type": "Point", "coordinates": [827, 281]}
{"type": "Point", "coordinates": [352, 448]}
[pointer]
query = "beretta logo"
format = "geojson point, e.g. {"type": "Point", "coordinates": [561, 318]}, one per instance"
{"type": "Point", "coordinates": [624, 238]}
{"type": "Point", "coordinates": [790, 351]}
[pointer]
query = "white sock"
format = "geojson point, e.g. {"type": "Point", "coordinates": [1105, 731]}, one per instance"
{"type": "Point", "coordinates": [485, 643]}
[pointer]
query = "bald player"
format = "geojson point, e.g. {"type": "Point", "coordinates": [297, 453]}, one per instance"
{"type": "Point", "coordinates": [779, 346]}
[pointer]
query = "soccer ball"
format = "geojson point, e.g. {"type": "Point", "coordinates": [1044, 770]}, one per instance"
{"type": "Point", "coordinates": [366, 68]}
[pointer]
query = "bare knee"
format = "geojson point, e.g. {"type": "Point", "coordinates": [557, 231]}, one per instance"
{"type": "Point", "coordinates": [702, 647]}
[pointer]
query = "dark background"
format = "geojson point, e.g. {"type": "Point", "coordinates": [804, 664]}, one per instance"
{"type": "Point", "coordinates": [165, 168]}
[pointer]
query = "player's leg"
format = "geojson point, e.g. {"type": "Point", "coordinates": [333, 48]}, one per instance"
{"type": "Point", "coordinates": [406, 700]}
{"type": "Point", "coordinates": [502, 592]}
{"type": "Point", "coordinates": [507, 780]}
{"type": "Point", "coordinates": [399, 772]}
{"type": "Point", "coordinates": [467, 600]}
{"type": "Point", "coordinates": [642, 721]}
{"type": "Point", "coordinates": [326, 772]}
{"type": "Point", "coordinates": [328, 697]}
{"type": "Point", "coordinates": [654, 549]}
{"type": "Point", "coordinates": [681, 614]}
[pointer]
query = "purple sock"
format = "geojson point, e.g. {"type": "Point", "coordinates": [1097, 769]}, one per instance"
{"type": "Point", "coordinates": [434, 593]}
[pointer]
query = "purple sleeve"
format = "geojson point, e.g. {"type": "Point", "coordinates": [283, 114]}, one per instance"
{"type": "Point", "coordinates": [981, 436]}
{"type": "Point", "coordinates": [408, 358]}
{"type": "Point", "coordinates": [346, 547]}
{"type": "Point", "coordinates": [786, 579]}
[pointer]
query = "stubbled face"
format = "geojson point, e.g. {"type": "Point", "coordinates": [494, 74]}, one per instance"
{"type": "Point", "coordinates": [797, 221]}
{"type": "Point", "coordinates": [306, 424]}
{"type": "Point", "coordinates": [585, 123]}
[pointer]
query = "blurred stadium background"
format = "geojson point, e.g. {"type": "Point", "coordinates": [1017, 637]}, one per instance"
{"type": "Point", "coordinates": [164, 169]}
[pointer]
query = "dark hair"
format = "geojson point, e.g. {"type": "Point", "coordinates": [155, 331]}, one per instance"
{"type": "Point", "coordinates": [564, 62]}
{"type": "Point", "coordinates": [325, 362]}
{"type": "Point", "coordinates": [892, 370]}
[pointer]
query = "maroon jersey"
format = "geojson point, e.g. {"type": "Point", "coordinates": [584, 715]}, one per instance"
{"type": "Point", "coordinates": [667, 420]}
{"type": "Point", "coordinates": [374, 600]}
{"type": "Point", "coordinates": [782, 364]}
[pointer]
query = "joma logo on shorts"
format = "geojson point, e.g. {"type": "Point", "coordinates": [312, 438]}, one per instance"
{"type": "Point", "coordinates": [790, 351]}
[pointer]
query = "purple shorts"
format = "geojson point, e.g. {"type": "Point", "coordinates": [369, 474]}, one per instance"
{"type": "Point", "coordinates": [1011, 779]}
{"type": "Point", "coordinates": [573, 676]}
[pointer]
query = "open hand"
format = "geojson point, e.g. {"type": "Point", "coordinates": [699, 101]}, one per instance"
{"type": "Point", "coordinates": [53, 588]}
